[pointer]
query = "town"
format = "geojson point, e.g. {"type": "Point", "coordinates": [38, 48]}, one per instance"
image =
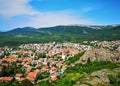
{"type": "Point", "coordinates": [43, 61]}
{"type": "Point", "coordinates": [37, 58]}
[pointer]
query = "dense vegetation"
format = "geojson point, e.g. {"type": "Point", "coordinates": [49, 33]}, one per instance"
{"type": "Point", "coordinates": [59, 34]}
{"type": "Point", "coordinates": [16, 83]}
{"type": "Point", "coordinates": [73, 74]}
{"type": "Point", "coordinates": [74, 58]}
{"type": "Point", "coordinates": [90, 67]}
{"type": "Point", "coordinates": [114, 79]}
{"type": "Point", "coordinates": [11, 70]}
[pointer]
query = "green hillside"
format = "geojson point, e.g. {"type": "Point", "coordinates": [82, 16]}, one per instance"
{"type": "Point", "coordinates": [59, 34]}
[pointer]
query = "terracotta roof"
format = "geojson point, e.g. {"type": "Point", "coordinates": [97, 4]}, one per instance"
{"type": "Point", "coordinates": [27, 63]}
{"type": "Point", "coordinates": [9, 59]}
{"type": "Point", "coordinates": [18, 75]}
{"type": "Point", "coordinates": [32, 74]}
{"type": "Point", "coordinates": [22, 79]}
{"type": "Point", "coordinates": [64, 67]}
{"type": "Point", "coordinates": [53, 79]}
{"type": "Point", "coordinates": [6, 78]}
{"type": "Point", "coordinates": [45, 67]}
{"type": "Point", "coordinates": [54, 69]}
{"type": "Point", "coordinates": [29, 68]}
{"type": "Point", "coordinates": [37, 71]}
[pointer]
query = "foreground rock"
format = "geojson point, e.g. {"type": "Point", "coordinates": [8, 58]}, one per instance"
{"type": "Point", "coordinates": [100, 55]}
{"type": "Point", "coordinates": [98, 78]}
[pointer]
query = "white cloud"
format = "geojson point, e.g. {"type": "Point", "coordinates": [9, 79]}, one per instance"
{"type": "Point", "coordinates": [11, 8]}
{"type": "Point", "coordinates": [47, 19]}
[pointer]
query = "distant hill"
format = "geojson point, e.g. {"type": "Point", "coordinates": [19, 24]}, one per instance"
{"type": "Point", "coordinates": [24, 30]}
{"type": "Point", "coordinates": [62, 33]}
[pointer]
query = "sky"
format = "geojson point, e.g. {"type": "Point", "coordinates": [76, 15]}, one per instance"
{"type": "Point", "coordinates": [48, 13]}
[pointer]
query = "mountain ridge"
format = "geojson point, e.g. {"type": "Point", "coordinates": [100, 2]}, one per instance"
{"type": "Point", "coordinates": [60, 33]}
{"type": "Point", "coordinates": [78, 25]}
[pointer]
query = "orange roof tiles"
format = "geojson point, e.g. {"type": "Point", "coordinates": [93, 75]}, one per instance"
{"type": "Point", "coordinates": [53, 79]}
{"type": "Point", "coordinates": [6, 78]}
{"type": "Point", "coordinates": [10, 59]}
{"type": "Point", "coordinates": [22, 79]}
{"type": "Point", "coordinates": [54, 69]}
{"type": "Point", "coordinates": [32, 74]}
{"type": "Point", "coordinates": [18, 75]}
{"type": "Point", "coordinates": [45, 67]}
{"type": "Point", "coordinates": [37, 71]}
{"type": "Point", "coordinates": [29, 68]}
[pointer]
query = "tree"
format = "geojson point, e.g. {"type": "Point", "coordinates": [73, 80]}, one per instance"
{"type": "Point", "coordinates": [45, 83]}
{"type": "Point", "coordinates": [89, 61]}
{"type": "Point", "coordinates": [42, 55]}
{"type": "Point", "coordinates": [26, 82]}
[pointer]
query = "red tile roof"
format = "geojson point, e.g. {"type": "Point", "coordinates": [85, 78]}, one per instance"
{"type": "Point", "coordinates": [18, 75]}
{"type": "Point", "coordinates": [32, 74]}
{"type": "Point", "coordinates": [54, 69]}
{"type": "Point", "coordinates": [37, 71]}
{"type": "Point", "coordinates": [45, 68]}
{"type": "Point", "coordinates": [53, 79]}
{"type": "Point", "coordinates": [22, 79]}
{"type": "Point", "coordinates": [6, 78]}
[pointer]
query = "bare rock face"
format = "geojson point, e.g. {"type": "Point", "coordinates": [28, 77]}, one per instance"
{"type": "Point", "coordinates": [98, 78]}
{"type": "Point", "coordinates": [100, 55]}
{"type": "Point", "coordinates": [118, 48]}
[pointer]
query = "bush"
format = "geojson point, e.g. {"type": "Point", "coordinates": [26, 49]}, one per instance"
{"type": "Point", "coordinates": [42, 75]}
{"type": "Point", "coordinates": [41, 55]}
{"type": "Point", "coordinates": [74, 58]}
{"type": "Point", "coordinates": [90, 67]}
{"type": "Point", "coordinates": [45, 83]}
{"type": "Point", "coordinates": [26, 82]}
{"type": "Point", "coordinates": [114, 79]}
{"type": "Point", "coordinates": [68, 79]}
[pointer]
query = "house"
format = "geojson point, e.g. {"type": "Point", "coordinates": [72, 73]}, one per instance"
{"type": "Point", "coordinates": [1, 52]}
{"type": "Point", "coordinates": [2, 79]}
{"type": "Point", "coordinates": [37, 71]}
{"type": "Point", "coordinates": [31, 76]}
{"type": "Point", "coordinates": [64, 67]}
{"type": "Point", "coordinates": [54, 77]}
{"type": "Point", "coordinates": [45, 68]}
{"type": "Point", "coordinates": [29, 68]}
{"type": "Point", "coordinates": [63, 57]}
{"type": "Point", "coordinates": [22, 79]}
{"type": "Point", "coordinates": [53, 70]}
{"type": "Point", "coordinates": [18, 76]}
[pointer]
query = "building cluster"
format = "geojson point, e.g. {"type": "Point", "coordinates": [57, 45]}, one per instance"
{"type": "Point", "coordinates": [36, 59]}
{"type": "Point", "coordinates": [111, 45]}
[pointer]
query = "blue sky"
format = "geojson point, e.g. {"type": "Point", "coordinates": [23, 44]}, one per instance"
{"type": "Point", "coordinates": [47, 13]}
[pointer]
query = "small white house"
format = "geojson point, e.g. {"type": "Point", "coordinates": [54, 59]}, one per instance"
{"type": "Point", "coordinates": [63, 57]}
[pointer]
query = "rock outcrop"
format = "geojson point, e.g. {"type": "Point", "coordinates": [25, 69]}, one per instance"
{"type": "Point", "coordinates": [98, 78]}
{"type": "Point", "coordinates": [100, 55]}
